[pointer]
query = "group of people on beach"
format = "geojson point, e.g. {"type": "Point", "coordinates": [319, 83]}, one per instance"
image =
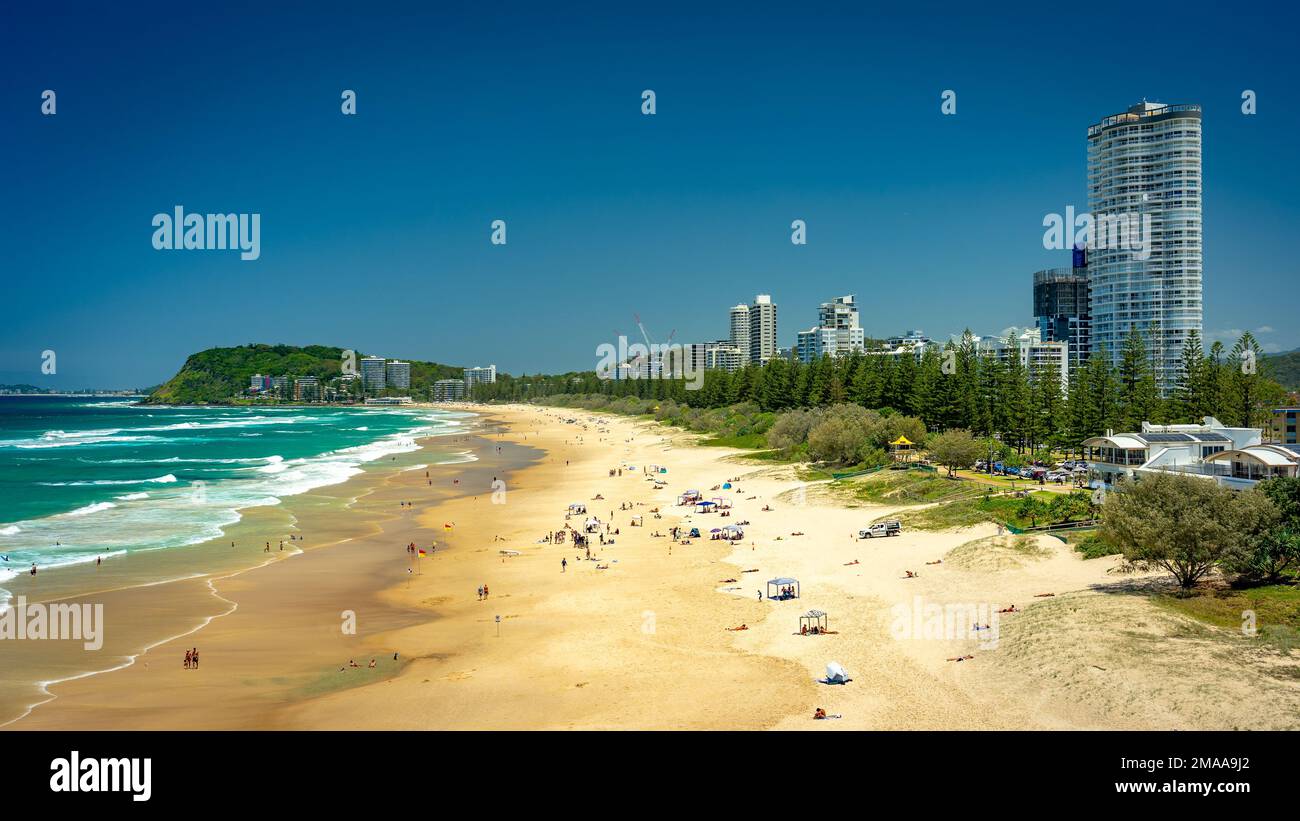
{"type": "Point", "coordinates": [482, 592]}
{"type": "Point", "coordinates": [192, 659]}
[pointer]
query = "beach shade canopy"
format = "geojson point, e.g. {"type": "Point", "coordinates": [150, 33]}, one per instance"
{"type": "Point", "coordinates": [786, 588]}
{"type": "Point", "coordinates": [577, 507]}
{"type": "Point", "coordinates": [716, 530]}
{"type": "Point", "coordinates": [726, 485]}
{"type": "Point", "coordinates": [814, 621]}
{"type": "Point", "coordinates": [733, 532]}
{"type": "Point", "coordinates": [835, 673]}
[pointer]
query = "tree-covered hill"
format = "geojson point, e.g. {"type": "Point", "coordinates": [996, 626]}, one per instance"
{"type": "Point", "coordinates": [1285, 368]}
{"type": "Point", "coordinates": [220, 375]}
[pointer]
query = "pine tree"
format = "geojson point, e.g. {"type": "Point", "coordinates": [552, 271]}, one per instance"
{"type": "Point", "coordinates": [1139, 395]}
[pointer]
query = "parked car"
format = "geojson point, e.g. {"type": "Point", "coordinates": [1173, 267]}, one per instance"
{"type": "Point", "coordinates": [890, 528]}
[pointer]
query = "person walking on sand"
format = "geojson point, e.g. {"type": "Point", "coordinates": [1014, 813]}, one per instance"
{"type": "Point", "coordinates": [480, 592]}
{"type": "Point", "coordinates": [564, 566]}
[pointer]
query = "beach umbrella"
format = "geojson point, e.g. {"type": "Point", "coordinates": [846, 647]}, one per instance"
{"type": "Point", "coordinates": [726, 485]}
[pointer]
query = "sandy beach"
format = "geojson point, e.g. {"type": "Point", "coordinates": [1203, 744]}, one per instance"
{"type": "Point", "coordinates": [643, 634]}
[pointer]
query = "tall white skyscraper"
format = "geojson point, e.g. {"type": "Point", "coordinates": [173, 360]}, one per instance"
{"type": "Point", "coordinates": [1144, 167]}
{"type": "Point", "coordinates": [740, 330]}
{"type": "Point", "coordinates": [762, 329]}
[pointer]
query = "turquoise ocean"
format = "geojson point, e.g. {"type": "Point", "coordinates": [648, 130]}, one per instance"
{"type": "Point", "coordinates": [85, 477]}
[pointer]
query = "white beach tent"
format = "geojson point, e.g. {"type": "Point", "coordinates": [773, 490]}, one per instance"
{"type": "Point", "coordinates": [577, 507]}
{"type": "Point", "coordinates": [835, 673]}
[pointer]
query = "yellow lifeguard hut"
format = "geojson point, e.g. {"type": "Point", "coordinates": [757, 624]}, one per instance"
{"type": "Point", "coordinates": [901, 449]}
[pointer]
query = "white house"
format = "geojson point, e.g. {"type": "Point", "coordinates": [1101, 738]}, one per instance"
{"type": "Point", "coordinates": [1118, 457]}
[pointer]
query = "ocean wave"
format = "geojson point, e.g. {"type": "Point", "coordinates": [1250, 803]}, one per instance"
{"type": "Point", "coordinates": [70, 440]}
{"type": "Point", "coordinates": [88, 509]}
{"type": "Point", "coordinates": [180, 460]}
{"type": "Point", "coordinates": [171, 515]}
{"type": "Point", "coordinates": [158, 480]}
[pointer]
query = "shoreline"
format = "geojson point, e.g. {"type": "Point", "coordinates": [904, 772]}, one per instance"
{"type": "Point", "coordinates": [168, 594]}
{"type": "Point", "coordinates": [644, 635]}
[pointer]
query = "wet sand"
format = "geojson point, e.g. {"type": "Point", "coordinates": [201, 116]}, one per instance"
{"type": "Point", "coordinates": [643, 634]}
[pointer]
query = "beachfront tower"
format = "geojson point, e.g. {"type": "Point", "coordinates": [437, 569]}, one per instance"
{"type": "Point", "coordinates": [373, 373]}
{"type": "Point", "coordinates": [1144, 168]}
{"type": "Point", "coordinates": [740, 330]}
{"type": "Point", "coordinates": [837, 332]}
{"type": "Point", "coordinates": [762, 329]}
{"type": "Point", "coordinates": [398, 375]}
{"type": "Point", "coordinates": [1061, 308]}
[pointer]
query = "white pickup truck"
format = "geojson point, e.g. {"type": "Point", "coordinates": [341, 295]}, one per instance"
{"type": "Point", "coordinates": [889, 528]}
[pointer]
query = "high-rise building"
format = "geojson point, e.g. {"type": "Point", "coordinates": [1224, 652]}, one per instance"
{"type": "Point", "coordinates": [762, 329]}
{"type": "Point", "coordinates": [397, 374]}
{"type": "Point", "coordinates": [373, 373]}
{"type": "Point", "coordinates": [449, 390]}
{"type": "Point", "coordinates": [280, 386]}
{"type": "Point", "coordinates": [1144, 168]}
{"type": "Point", "coordinates": [480, 375]}
{"type": "Point", "coordinates": [837, 332]}
{"type": "Point", "coordinates": [306, 389]}
{"type": "Point", "coordinates": [740, 330]}
{"type": "Point", "coordinates": [1061, 308]}
{"type": "Point", "coordinates": [1035, 355]}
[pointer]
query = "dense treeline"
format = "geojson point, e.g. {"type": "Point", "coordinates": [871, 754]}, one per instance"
{"type": "Point", "coordinates": [1025, 410]}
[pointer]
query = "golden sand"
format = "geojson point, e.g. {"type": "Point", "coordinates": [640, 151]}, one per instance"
{"type": "Point", "coordinates": [642, 635]}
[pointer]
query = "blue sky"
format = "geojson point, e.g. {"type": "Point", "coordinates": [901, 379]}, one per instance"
{"type": "Point", "coordinates": [375, 228]}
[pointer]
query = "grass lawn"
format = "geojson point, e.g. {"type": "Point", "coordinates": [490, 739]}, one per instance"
{"type": "Point", "coordinates": [967, 512]}
{"type": "Point", "coordinates": [1276, 608]}
{"type": "Point", "coordinates": [906, 487]}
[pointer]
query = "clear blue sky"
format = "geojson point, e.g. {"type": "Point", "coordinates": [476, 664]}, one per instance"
{"type": "Point", "coordinates": [375, 228]}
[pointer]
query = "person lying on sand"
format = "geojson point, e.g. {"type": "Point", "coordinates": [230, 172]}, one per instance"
{"type": "Point", "coordinates": [741, 627]}
{"type": "Point", "coordinates": [820, 715]}
{"type": "Point", "coordinates": [1044, 595]}
{"type": "Point", "coordinates": [850, 564]}
{"type": "Point", "coordinates": [726, 581]}
{"type": "Point", "coordinates": [961, 658]}
{"type": "Point", "coordinates": [911, 575]}
{"type": "Point", "coordinates": [1011, 609]}
{"type": "Point", "coordinates": [940, 561]}
{"type": "Point", "coordinates": [767, 507]}
{"type": "Point", "coordinates": [797, 533]}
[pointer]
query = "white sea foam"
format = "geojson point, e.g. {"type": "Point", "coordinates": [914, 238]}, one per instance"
{"type": "Point", "coordinates": [88, 509]}
{"type": "Point", "coordinates": [158, 480]}
{"type": "Point", "coordinates": [172, 515]}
